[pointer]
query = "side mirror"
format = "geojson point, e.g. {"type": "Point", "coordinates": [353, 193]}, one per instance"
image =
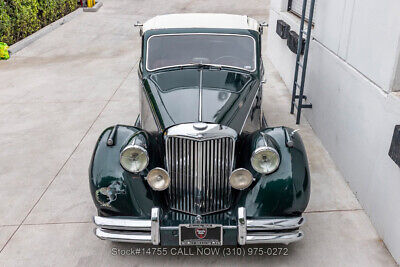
{"type": "Point", "coordinates": [139, 24]}
{"type": "Point", "coordinates": [261, 27]}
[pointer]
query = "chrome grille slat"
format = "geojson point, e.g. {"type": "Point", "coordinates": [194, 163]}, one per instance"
{"type": "Point", "coordinates": [223, 169]}
{"type": "Point", "coordinates": [220, 175]}
{"type": "Point", "coordinates": [215, 174]}
{"type": "Point", "coordinates": [208, 176]}
{"type": "Point", "coordinates": [185, 165]}
{"type": "Point", "coordinates": [228, 166]}
{"type": "Point", "coordinates": [180, 157]}
{"type": "Point", "coordinates": [199, 171]}
{"type": "Point", "coordinates": [221, 189]}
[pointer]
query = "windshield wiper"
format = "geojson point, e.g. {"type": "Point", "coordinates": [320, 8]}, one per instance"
{"type": "Point", "coordinates": [207, 66]}
{"type": "Point", "coordinates": [202, 66]}
{"type": "Point", "coordinates": [213, 66]}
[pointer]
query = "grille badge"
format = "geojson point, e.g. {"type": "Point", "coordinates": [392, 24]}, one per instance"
{"type": "Point", "coordinates": [201, 232]}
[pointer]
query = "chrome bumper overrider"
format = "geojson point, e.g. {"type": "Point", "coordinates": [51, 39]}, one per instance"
{"type": "Point", "coordinates": [129, 230]}
{"type": "Point", "coordinates": [258, 231]}
{"type": "Point", "coordinates": [280, 230]}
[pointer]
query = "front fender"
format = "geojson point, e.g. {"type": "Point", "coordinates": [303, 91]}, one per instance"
{"type": "Point", "coordinates": [285, 192]}
{"type": "Point", "coordinates": [115, 191]}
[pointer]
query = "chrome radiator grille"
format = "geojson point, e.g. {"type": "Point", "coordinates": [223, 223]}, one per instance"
{"type": "Point", "coordinates": [199, 171]}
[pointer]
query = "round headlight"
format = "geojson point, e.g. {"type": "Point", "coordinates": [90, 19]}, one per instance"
{"type": "Point", "coordinates": [158, 179]}
{"type": "Point", "coordinates": [240, 179]}
{"type": "Point", "coordinates": [265, 160]}
{"type": "Point", "coordinates": [134, 158]}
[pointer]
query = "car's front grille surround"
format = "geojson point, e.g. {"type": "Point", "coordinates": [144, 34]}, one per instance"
{"type": "Point", "coordinates": [200, 171]}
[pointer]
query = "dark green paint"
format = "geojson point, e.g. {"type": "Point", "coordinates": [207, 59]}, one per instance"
{"type": "Point", "coordinates": [138, 198]}
{"type": "Point", "coordinates": [285, 192]}
{"type": "Point", "coordinates": [228, 96]}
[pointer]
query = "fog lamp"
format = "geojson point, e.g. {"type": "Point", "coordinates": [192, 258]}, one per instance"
{"type": "Point", "coordinates": [158, 179]}
{"type": "Point", "coordinates": [240, 179]}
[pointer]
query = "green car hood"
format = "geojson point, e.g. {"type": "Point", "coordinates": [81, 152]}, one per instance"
{"type": "Point", "coordinates": [225, 96]}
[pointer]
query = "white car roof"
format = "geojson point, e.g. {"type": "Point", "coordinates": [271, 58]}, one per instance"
{"type": "Point", "coordinates": [201, 20]}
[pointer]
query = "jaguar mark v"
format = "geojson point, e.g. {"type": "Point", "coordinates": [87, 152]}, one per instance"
{"type": "Point", "coordinates": [200, 166]}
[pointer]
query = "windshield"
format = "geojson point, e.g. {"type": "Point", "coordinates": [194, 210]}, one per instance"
{"type": "Point", "coordinates": [229, 50]}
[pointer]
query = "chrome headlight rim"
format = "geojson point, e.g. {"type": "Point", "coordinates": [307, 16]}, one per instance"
{"type": "Point", "coordinates": [241, 170]}
{"type": "Point", "coordinates": [166, 175]}
{"type": "Point", "coordinates": [134, 147]}
{"type": "Point", "coordinates": [265, 148]}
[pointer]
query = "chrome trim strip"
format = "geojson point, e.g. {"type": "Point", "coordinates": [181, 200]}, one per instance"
{"type": "Point", "coordinates": [274, 238]}
{"type": "Point", "coordinates": [199, 33]}
{"type": "Point", "coordinates": [275, 224]}
{"type": "Point", "coordinates": [177, 227]}
{"type": "Point", "coordinates": [122, 224]}
{"type": "Point", "coordinates": [155, 226]}
{"type": "Point", "coordinates": [123, 236]}
{"type": "Point", "coordinates": [242, 231]}
{"type": "Point", "coordinates": [201, 96]}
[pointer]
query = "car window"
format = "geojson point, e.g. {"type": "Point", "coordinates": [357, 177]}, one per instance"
{"type": "Point", "coordinates": [182, 49]}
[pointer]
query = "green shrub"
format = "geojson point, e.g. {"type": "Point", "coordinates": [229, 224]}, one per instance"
{"type": "Point", "coordinates": [24, 17]}
{"type": "Point", "coordinates": [67, 6]}
{"type": "Point", "coordinates": [20, 18]}
{"type": "Point", "coordinates": [52, 10]}
{"type": "Point", "coordinates": [6, 29]}
{"type": "Point", "coordinates": [48, 11]}
{"type": "Point", "coordinates": [71, 5]}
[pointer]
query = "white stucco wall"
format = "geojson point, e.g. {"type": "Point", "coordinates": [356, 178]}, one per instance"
{"type": "Point", "coordinates": [352, 73]}
{"type": "Point", "coordinates": [396, 80]}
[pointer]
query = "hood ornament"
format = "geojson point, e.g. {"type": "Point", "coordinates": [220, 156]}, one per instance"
{"type": "Point", "coordinates": [200, 126]}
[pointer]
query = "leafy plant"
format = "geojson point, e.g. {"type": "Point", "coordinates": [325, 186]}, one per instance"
{"type": "Point", "coordinates": [20, 18]}
{"type": "Point", "coordinates": [6, 30]}
{"type": "Point", "coordinates": [69, 6]}
{"type": "Point", "coordinates": [24, 17]}
{"type": "Point", "coordinates": [48, 11]}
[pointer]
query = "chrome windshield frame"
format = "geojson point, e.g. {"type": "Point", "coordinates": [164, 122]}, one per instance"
{"type": "Point", "coordinates": [203, 33]}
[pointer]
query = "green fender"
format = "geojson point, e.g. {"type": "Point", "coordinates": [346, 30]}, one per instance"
{"type": "Point", "coordinates": [115, 191]}
{"type": "Point", "coordinates": [285, 192]}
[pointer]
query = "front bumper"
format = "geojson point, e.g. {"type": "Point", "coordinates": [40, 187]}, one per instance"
{"type": "Point", "coordinates": [247, 231]}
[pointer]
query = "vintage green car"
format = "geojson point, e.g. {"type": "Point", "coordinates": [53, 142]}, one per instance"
{"type": "Point", "coordinates": [200, 166]}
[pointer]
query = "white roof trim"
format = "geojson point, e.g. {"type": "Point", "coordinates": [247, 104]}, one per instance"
{"type": "Point", "coordinates": [201, 20]}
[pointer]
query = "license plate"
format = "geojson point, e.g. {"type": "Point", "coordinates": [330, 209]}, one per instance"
{"type": "Point", "coordinates": [200, 234]}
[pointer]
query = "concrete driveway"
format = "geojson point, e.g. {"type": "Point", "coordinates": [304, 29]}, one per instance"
{"type": "Point", "coordinates": [59, 93]}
